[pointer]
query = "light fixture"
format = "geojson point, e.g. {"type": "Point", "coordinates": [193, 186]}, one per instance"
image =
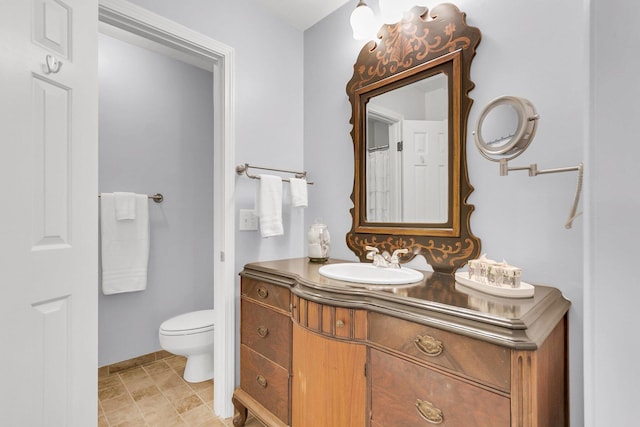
{"type": "Point", "coordinates": [363, 22]}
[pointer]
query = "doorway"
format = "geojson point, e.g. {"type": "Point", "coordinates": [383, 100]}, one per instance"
{"type": "Point", "coordinates": [132, 19]}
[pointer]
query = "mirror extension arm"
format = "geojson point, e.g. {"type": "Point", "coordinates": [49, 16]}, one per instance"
{"type": "Point", "coordinates": [534, 171]}
{"type": "Point", "coordinates": [516, 117]}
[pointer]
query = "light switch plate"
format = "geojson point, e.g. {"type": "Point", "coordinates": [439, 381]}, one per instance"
{"type": "Point", "coordinates": [248, 220]}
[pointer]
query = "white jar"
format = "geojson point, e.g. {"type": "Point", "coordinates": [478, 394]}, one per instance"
{"type": "Point", "coordinates": [319, 240]}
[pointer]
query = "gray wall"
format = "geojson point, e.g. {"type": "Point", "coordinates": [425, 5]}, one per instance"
{"type": "Point", "coordinates": [268, 103]}
{"type": "Point", "coordinates": [517, 217]}
{"type": "Point", "coordinates": [612, 292]}
{"type": "Point", "coordinates": [156, 133]}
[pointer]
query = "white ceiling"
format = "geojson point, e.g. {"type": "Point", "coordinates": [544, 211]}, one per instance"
{"type": "Point", "coordinates": [303, 14]}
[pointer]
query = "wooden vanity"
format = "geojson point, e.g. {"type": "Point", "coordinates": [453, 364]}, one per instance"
{"type": "Point", "coordinates": [317, 352]}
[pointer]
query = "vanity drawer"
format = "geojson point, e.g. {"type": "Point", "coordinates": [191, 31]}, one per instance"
{"type": "Point", "coordinates": [266, 293]}
{"type": "Point", "coordinates": [266, 331]}
{"type": "Point", "coordinates": [409, 395]}
{"type": "Point", "coordinates": [266, 382]}
{"type": "Point", "coordinates": [336, 322]}
{"type": "Point", "coordinates": [472, 358]}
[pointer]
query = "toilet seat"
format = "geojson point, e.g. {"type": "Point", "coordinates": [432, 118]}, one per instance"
{"type": "Point", "coordinates": [195, 322]}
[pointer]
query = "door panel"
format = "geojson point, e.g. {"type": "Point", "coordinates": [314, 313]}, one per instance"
{"type": "Point", "coordinates": [51, 25]}
{"type": "Point", "coordinates": [48, 219]}
{"type": "Point", "coordinates": [51, 122]}
{"type": "Point", "coordinates": [52, 336]}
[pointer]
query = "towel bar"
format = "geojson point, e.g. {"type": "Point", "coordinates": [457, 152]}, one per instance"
{"type": "Point", "coordinates": [158, 197]}
{"type": "Point", "coordinates": [240, 169]}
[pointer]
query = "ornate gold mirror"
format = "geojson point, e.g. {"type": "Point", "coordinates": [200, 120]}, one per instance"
{"type": "Point", "coordinates": [409, 99]}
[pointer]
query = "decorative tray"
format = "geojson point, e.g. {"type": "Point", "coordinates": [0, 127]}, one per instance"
{"type": "Point", "coordinates": [524, 291]}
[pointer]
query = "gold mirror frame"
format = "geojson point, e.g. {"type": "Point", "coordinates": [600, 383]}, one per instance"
{"type": "Point", "coordinates": [406, 52]}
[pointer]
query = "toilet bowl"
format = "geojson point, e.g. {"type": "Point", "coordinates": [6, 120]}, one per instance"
{"type": "Point", "coordinates": [191, 335]}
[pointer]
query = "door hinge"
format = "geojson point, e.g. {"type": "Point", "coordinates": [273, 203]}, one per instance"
{"type": "Point", "coordinates": [400, 145]}
{"type": "Point", "coordinates": [365, 369]}
{"type": "Point", "coordinates": [221, 256]}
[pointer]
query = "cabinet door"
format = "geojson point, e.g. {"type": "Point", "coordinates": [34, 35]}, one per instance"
{"type": "Point", "coordinates": [328, 384]}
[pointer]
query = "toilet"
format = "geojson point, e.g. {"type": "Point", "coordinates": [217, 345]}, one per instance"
{"type": "Point", "coordinates": [191, 335]}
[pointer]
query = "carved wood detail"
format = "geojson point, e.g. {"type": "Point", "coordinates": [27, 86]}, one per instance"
{"type": "Point", "coordinates": [539, 383]}
{"type": "Point", "coordinates": [424, 38]}
{"type": "Point", "coordinates": [240, 415]}
{"type": "Point", "coordinates": [335, 322]}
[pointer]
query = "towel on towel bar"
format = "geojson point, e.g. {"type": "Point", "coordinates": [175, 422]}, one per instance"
{"type": "Point", "coordinates": [125, 246]}
{"type": "Point", "coordinates": [125, 205]}
{"type": "Point", "coordinates": [270, 206]}
{"type": "Point", "coordinates": [298, 188]}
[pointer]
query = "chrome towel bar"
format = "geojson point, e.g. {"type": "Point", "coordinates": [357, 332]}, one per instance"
{"type": "Point", "coordinates": [244, 169]}
{"type": "Point", "coordinates": [158, 197]}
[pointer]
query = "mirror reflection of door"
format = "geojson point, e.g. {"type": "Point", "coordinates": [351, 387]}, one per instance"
{"type": "Point", "coordinates": [424, 171]}
{"type": "Point", "coordinates": [406, 162]}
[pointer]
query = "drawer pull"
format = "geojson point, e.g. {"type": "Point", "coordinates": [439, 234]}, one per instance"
{"type": "Point", "coordinates": [263, 331]}
{"type": "Point", "coordinates": [339, 324]}
{"type": "Point", "coordinates": [262, 293]}
{"type": "Point", "coordinates": [428, 412]}
{"type": "Point", "coordinates": [429, 345]}
{"type": "Point", "coordinates": [262, 381]}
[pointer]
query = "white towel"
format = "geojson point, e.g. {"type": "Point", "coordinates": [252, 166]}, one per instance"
{"type": "Point", "coordinates": [270, 206]}
{"type": "Point", "coordinates": [125, 205]}
{"type": "Point", "coordinates": [125, 247]}
{"type": "Point", "coordinates": [298, 187]}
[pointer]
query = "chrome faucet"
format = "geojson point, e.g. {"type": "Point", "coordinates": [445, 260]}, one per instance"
{"type": "Point", "coordinates": [395, 258]}
{"type": "Point", "coordinates": [378, 259]}
{"type": "Point", "coordinates": [384, 259]}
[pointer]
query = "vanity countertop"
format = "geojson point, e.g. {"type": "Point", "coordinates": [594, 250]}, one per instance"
{"type": "Point", "coordinates": [437, 300]}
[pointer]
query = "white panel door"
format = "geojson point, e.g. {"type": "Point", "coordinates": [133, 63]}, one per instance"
{"type": "Point", "coordinates": [48, 212]}
{"type": "Point", "coordinates": [424, 171]}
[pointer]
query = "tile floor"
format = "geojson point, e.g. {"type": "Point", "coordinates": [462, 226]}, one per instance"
{"type": "Point", "coordinates": [156, 395]}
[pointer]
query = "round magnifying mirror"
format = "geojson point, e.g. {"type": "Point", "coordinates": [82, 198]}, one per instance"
{"type": "Point", "coordinates": [505, 128]}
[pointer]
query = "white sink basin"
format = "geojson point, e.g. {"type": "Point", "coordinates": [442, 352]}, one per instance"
{"type": "Point", "coordinates": [370, 274]}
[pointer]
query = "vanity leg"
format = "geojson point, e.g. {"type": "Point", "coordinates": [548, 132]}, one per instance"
{"type": "Point", "coordinates": [240, 416]}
